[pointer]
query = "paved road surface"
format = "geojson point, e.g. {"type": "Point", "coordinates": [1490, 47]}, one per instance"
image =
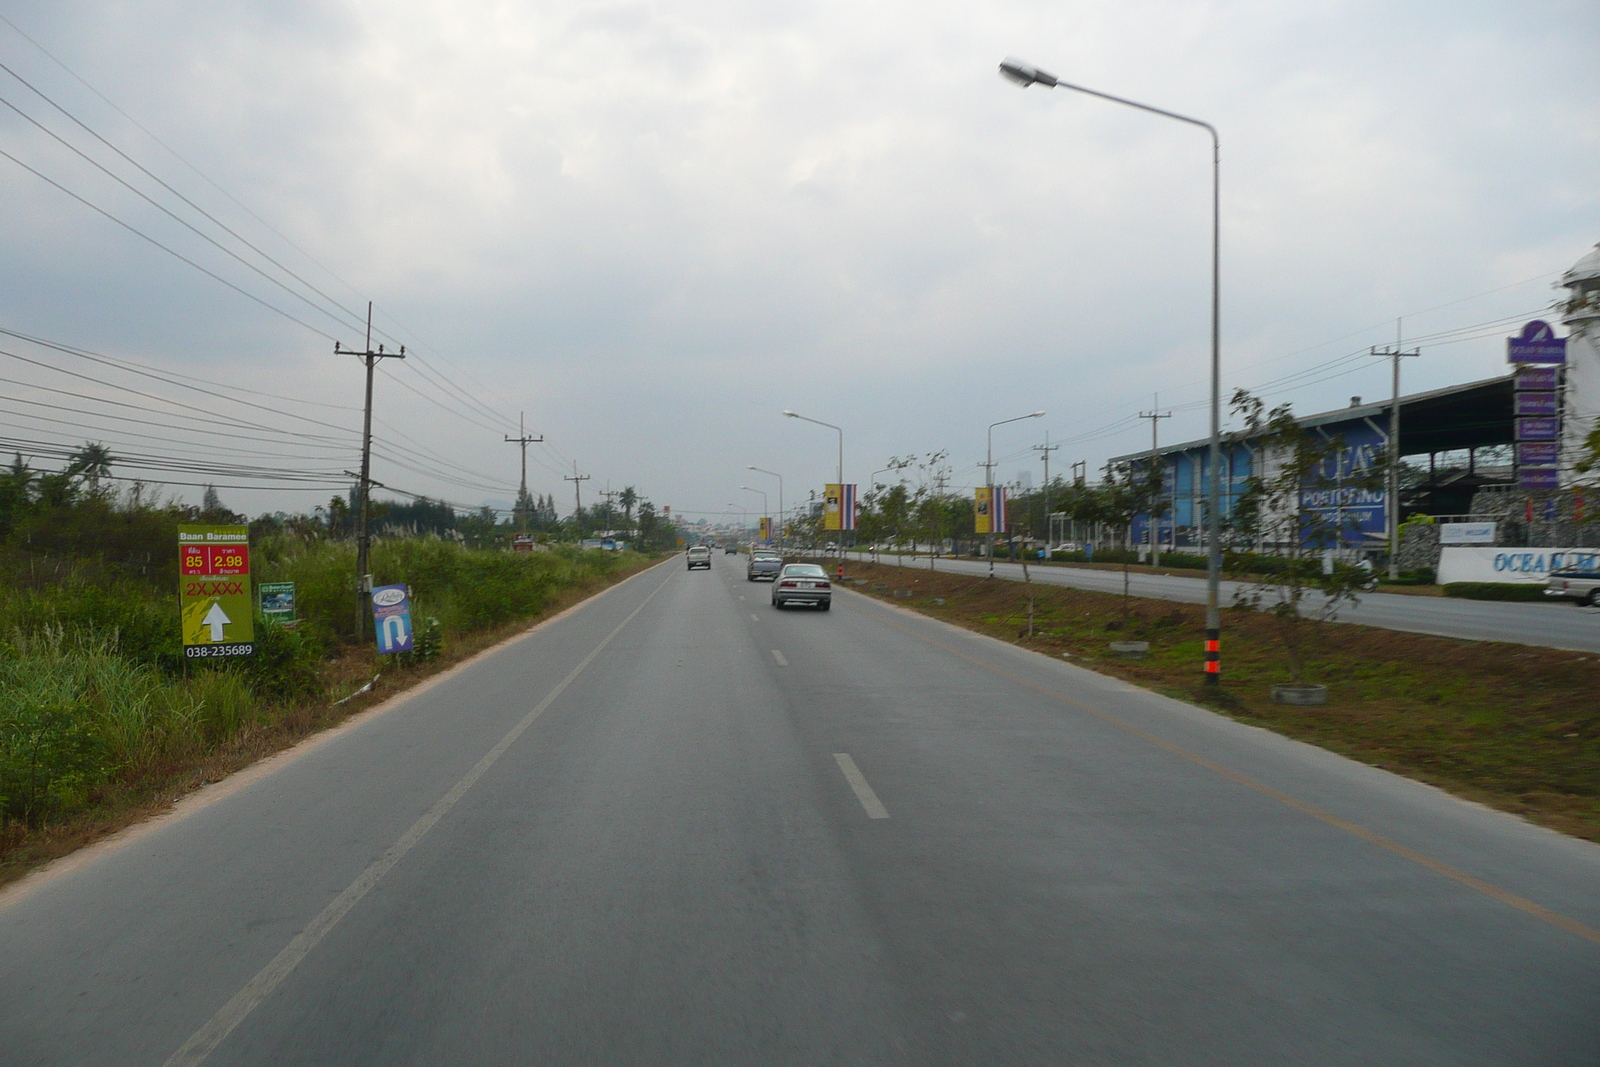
{"type": "Point", "coordinates": [1554, 625]}
{"type": "Point", "coordinates": [646, 834]}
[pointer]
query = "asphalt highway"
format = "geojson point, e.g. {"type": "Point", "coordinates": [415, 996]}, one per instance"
{"type": "Point", "coordinates": [678, 827]}
{"type": "Point", "coordinates": [1557, 624]}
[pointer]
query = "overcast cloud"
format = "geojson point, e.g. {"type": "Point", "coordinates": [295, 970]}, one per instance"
{"type": "Point", "coordinates": [653, 226]}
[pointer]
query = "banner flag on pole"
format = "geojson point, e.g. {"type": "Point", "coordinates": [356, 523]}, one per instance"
{"type": "Point", "coordinates": [983, 511]}
{"type": "Point", "coordinates": [839, 508]}
{"type": "Point", "coordinates": [999, 506]}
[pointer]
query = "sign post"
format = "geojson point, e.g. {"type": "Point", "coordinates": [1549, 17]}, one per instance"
{"type": "Point", "coordinates": [217, 610]}
{"type": "Point", "coordinates": [1539, 356]}
{"type": "Point", "coordinates": [391, 618]}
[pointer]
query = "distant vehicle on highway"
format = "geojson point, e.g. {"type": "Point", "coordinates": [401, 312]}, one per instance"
{"type": "Point", "coordinates": [731, 550]}
{"type": "Point", "coordinates": [1582, 586]}
{"type": "Point", "coordinates": [763, 564]}
{"type": "Point", "coordinates": [699, 556]}
{"type": "Point", "coordinates": [802, 583]}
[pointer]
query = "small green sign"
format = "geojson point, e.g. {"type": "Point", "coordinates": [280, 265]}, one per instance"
{"type": "Point", "coordinates": [277, 602]}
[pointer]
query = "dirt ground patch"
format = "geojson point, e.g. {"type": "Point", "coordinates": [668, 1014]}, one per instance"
{"type": "Point", "coordinates": [1511, 726]}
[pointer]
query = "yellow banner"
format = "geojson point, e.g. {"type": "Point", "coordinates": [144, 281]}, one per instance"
{"type": "Point", "coordinates": [830, 510]}
{"type": "Point", "coordinates": [766, 529]}
{"type": "Point", "coordinates": [983, 510]}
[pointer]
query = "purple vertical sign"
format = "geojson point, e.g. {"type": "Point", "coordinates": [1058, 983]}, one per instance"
{"type": "Point", "coordinates": [1542, 379]}
{"type": "Point", "coordinates": [1536, 344]}
{"type": "Point", "coordinates": [1538, 429]}
{"type": "Point", "coordinates": [1538, 454]}
{"type": "Point", "coordinates": [1536, 404]}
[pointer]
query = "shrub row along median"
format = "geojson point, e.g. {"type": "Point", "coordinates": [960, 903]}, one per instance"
{"type": "Point", "coordinates": [1511, 726]}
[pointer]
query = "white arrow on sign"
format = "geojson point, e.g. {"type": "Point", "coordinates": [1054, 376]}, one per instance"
{"type": "Point", "coordinates": [216, 618]}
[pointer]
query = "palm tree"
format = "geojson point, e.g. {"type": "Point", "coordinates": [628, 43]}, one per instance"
{"type": "Point", "coordinates": [93, 462]}
{"type": "Point", "coordinates": [628, 497]}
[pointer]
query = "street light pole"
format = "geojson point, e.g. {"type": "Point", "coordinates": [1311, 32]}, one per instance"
{"type": "Point", "coordinates": [806, 418]}
{"type": "Point", "coordinates": [988, 478]}
{"type": "Point", "coordinates": [781, 524]}
{"type": "Point", "coordinates": [1025, 75]}
{"type": "Point", "coordinates": [764, 512]}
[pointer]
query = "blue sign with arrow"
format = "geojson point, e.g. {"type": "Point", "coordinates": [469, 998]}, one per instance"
{"type": "Point", "coordinates": [391, 618]}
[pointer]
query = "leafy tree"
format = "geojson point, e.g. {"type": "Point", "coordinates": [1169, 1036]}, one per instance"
{"type": "Point", "coordinates": [628, 498]}
{"type": "Point", "coordinates": [1297, 469]}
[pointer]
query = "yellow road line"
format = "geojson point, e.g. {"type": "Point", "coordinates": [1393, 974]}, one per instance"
{"type": "Point", "coordinates": [1522, 904]}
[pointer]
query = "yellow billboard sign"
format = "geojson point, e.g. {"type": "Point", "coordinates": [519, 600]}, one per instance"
{"type": "Point", "coordinates": [214, 591]}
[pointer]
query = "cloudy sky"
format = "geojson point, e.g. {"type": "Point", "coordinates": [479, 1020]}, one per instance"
{"type": "Point", "coordinates": [653, 226]}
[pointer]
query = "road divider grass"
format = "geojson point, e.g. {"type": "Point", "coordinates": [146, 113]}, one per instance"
{"type": "Point", "coordinates": [1511, 726]}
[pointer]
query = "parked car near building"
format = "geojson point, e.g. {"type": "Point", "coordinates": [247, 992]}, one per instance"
{"type": "Point", "coordinates": [1582, 586]}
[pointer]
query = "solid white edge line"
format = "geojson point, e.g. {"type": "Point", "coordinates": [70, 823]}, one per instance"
{"type": "Point", "coordinates": [858, 782]}
{"type": "Point", "coordinates": [205, 1040]}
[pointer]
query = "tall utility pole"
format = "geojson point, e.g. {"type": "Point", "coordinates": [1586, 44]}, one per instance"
{"type": "Point", "coordinates": [363, 540]}
{"type": "Point", "coordinates": [1391, 509]}
{"type": "Point", "coordinates": [1155, 416]}
{"type": "Point", "coordinates": [1045, 450]}
{"type": "Point", "coordinates": [577, 496]}
{"type": "Point", "coordinates": [524, 440]}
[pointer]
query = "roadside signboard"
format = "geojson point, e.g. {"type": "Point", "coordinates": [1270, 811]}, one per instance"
{"type": "Point", "coordinates": [1537, 404]}
{"type": "Point", "coordinates": [1466, 533]}
{"type": "Point", "coordinates": [766, 529]}
{"type": "Point", "coordinates": [391, 618]}
{"type": "Point", "coordinates": [1538, 379]}
{"type": "Point", "coordinates": [1539, 478]}
{"type": "Point", "coordinates": [1536, 344]}
{"type": "Point", "coordinates": [277, 603]}
{"type": "Point", "coordinates": [1538, 453]}
{"type": "Point", "coordinates": [216, 608]}
{"type": "Point", "coordinates": [1538, 429]}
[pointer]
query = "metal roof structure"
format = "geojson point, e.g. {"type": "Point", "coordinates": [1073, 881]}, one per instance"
{"type": "Point", "coordinates": [1473, 415]}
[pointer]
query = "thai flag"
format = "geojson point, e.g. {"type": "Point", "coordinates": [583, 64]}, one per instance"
{"type": "Point", "coordinates": [999, 509]}
{"type": "Point", "coordinates": [847, 507]}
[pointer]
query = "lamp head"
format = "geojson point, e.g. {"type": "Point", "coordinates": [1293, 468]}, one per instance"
{"type": "Point", "coordinates": [1036, 414]}
{"type": "Point", "coordinates": [1025, 74]}
{"type": "Point", "coordinates": [788, 414]}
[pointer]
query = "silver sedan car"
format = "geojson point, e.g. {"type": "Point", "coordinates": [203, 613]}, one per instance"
{"type": "Point", "coordinates": [763, 565]}
{"type": "Point", "coordinates": [802, 583]}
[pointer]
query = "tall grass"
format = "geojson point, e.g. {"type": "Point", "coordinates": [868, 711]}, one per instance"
{"type": "Point", "coordinates": [92, 683]}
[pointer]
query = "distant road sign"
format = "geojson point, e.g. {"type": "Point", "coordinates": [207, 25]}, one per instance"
{"type": "Point", "coordinates": [391, 618]}
{"type": "Point", "coordinates": [217, 610]}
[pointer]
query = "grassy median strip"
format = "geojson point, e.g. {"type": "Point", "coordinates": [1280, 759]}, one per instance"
{"type": "Point", "coordinates": [103, 725]}
{"type": "Point", "coordinates": [1512, 726]}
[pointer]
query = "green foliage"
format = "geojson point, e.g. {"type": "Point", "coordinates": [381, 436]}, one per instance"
{"type": "Point", "coordinates": [1495, 591]}
{"type": "Point", "coordinates": [1295, 464]}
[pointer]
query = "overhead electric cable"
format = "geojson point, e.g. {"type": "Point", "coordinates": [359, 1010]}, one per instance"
{"type": "Point", "coordinates": [175, 254]}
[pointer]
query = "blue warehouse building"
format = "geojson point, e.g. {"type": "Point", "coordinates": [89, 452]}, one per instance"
{"type": "Point", "coordinates": [1461, 418]}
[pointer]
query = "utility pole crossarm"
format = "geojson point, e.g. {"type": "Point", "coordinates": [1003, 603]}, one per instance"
{"type": "Point", "coordinates": [363, 539]}
{"type": "Point", "coordinates": [1392, 508]}
{"type": "Point", "coordinates": [524, 440]}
